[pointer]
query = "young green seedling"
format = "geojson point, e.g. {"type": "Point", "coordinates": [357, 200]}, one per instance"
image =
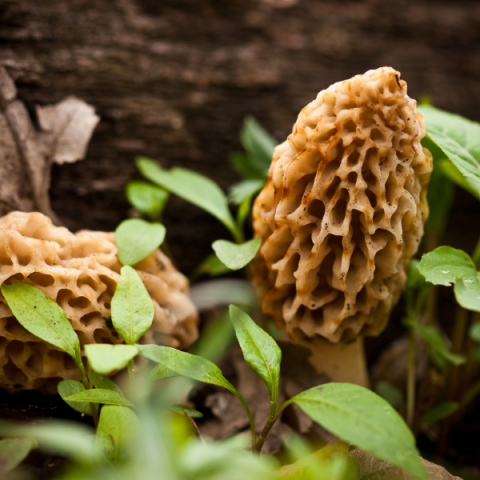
{"type": "Point", "coordinates": [351, 412]}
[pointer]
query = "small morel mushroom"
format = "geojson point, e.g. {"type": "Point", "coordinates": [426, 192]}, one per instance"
{"type": "Point", "coordinates": [343, 210]}
{"type": "Point", "coordinates": [80, 272]}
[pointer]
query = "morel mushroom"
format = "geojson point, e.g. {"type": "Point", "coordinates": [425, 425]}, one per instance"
{"type": "Point", "coordinates": [80, 272]}
{"type": "Point", "coordinates": [343, 210]}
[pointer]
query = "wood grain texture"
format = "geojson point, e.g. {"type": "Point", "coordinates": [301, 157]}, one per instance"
{"type": "Point", "coordinates": [173, 80]}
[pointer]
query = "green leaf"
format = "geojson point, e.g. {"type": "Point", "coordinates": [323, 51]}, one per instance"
{"type": "Point", "coordinates": [439, 412]}
{"type": "Point", "coordinates": [173, 362]}
{"type": "Point", "coordinates": [99, 395]}
{"type": "Point", "coordinates": [103, 382]}
{"type": "Point", "coordinates": [362, 418]}
{"type": "Point", "coordinates": [243, 212]}
{"type": "Point", "coordinates": [13, 452]}
{"type": "Point", "coordinates": [260, 350]}
{"type": "Point", "coordinates": [147, 198]}
{"type": "Point", "coordinates": [132, 307]}
{"type": "Point", "coordinates": [467, 292]}
{"type": "Point", "coordinates": [236, 256]}
{"type": "Point", "coordinates": [257, 142]}
{"type": "Point", "coordinates": [69, 387]}
{"type": "Point", "coordinates": [458, 138]}
{"type": "Point", "coordinates": [60, 437]}
{"type": "Point", "coordinates": [42, 317]}
{"type": "Point", "coordinates": [437, 343]}
{"type": "Point", "coordinates": [212, 266]}
{"type": "Point", "coordinates": [117, 427]}
{"type": "Point", "coordinates": [104, 358]}
{"type": "Point", "coordinates": [192, 187]}
{"type": "Point", "coordinates": [182, 409]}
{"type": "Point", "coordinates": [450, 171]}
{"type": "Point", "coordinates": [474, 332]}
{"type": "Point", "coordinates": [243, 190]}
{"type": "Point", "coordinates": [137, 239]}
{"type": "Point", "coordinates": [445, 264]}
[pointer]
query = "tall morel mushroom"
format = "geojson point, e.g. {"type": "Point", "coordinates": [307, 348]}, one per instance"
{"type": "Point", "coordinates": [80, 272]}
{"type": "Point", "coordinates": [343, 210]}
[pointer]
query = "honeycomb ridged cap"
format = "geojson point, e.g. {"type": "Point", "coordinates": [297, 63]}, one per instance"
{"type": "Point", "coordinates": [80, 272]}
{"type": "Point", "coordinates": [343, 210]}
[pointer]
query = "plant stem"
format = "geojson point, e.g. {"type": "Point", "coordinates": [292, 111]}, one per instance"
{"type": "Point", "coordinates": [268, 426]}
{"type": "Point", "coordinates": [476, 254]}
{"type": "Point", "coordinates": [461, 318]}
{"type": "Point", "coordinates": [411, 379]}
{"type": "Point", "coordinates": [87, 383]}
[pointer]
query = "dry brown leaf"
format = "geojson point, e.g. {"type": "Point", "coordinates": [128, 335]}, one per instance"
{"type": "Point", "coordinates": [26, 155]}
{"type": "Point", "coordinates": [372, 468]}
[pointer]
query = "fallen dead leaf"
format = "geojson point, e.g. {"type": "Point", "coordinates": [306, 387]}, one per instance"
{"type": "Point", "coordinates": [26, 154]}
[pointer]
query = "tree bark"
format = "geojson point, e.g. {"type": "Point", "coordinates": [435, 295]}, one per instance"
{"type": "Point", "coordinates": [173, 80]}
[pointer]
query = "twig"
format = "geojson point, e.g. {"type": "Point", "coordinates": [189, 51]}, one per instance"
{"type": "Point", "coordinates": [195, 426]}
{"type": "Point", "coordinates": [411, 378]}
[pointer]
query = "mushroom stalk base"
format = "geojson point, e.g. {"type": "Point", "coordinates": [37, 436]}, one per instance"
{"type": "Point", "coordinates": [341, 362]}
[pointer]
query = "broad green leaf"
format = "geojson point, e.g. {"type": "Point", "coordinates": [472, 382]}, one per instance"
{"type": "Point", "coordinates": [453, 174]}
{"type": "Point", "coordinates": [445, 264]}
{"type": "Point", "coordinates": [458, 137]}
{"type": "Point", "coordinates": [69, 387]}
{"type": "Point", "coordinates": [147, 198]}
{"type": "Point", "coordinates": [244, 189]}
{"type": "Point", "coordinates": [389, 393]}
{"type": "Point", "coordinates": [101, 381]}
{"type": "Point", "coordinates": [13, 452]}
{"type": "Point", "coordinates": [71, 439]}
{"type": "Point", "coordinates": [257, 142]}
{"type": "Point", "coordinates": [42, 317]}
{"type": "Point", "coordinates": [440, 411]}
{"type": "Point", "coordinates": [260, 350]}
{"type": "Point", "coordinates": [236, 256]}
{"type": "Point", "coordinates": [474, 332]}
{"type": "Point", "coordinates": [467, 292]}
{"type": "Point", "coordinates": [173, 362]}
{"type": "Point", "coordinates": [212, 266]}
{"type": "Point", "coordinates": [191, 186]}
{"type": "Point", "coordinates": [182, 409]}
{"type": "Point", "coordinates": [137, 239]}
{"type": "Point", "coordinates": [117, 427]}
{"type": "Point", "coordinates": [362, 418]}
{"type": "Point", "coordinates": [132, 307]}
{"type": "Point", "coordinates": [104, 358]}
{"type": "Point", "coordinates": [437, 343]}
{"type": "Point", "coordinates": [100, 395]}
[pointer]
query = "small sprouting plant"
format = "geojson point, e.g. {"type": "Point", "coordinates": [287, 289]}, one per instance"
{"type": "Point", "coordinates": [353, 413]}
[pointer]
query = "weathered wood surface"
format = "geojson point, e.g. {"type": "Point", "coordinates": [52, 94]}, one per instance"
{"type": "Point", "coordinates": [173, 80]}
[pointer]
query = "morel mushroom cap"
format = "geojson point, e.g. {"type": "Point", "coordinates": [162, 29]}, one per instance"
{"type": "Point", "coordinates": [343, 210]}
{"type": "Point", "coordinates": [80, 272]}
